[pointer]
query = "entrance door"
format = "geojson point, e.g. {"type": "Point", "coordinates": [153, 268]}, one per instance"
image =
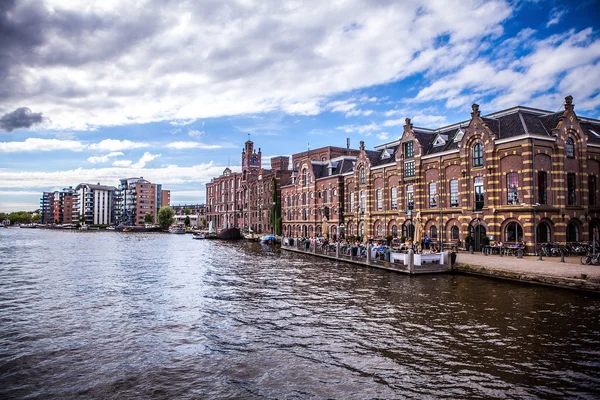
{"type": "Point", "coordinates": [478, 235]}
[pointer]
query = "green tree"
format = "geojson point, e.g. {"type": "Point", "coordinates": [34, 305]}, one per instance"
{"type": "Point", "coordinates": [276, 209]}
{"type": "Point", "coordinates": [204, 222]}
{"type": "Point", "coordinates": [166, 217]}
{"type": "Point", "coordinates": [187, 211]}
{"type": "Point", "coordinates": [149, 218]}
{"type": "Point", "coordinates": [187, 221]}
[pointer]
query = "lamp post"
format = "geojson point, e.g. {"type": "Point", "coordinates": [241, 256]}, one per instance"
{"type": "Point", "coordinates": [441, 230]}
{"type": "Point", "coordinates": [274, 230]}
{"type": "Point", "coordinates": [341, 230]}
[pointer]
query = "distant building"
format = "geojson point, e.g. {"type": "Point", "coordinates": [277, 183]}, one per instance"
{"type": "Point", "coordinates": [137, 197]}
{"type": "Point", "coordinates": [47, 208]}
{"type": "Point", "coordinates": [96, 203]}
{"type": "Point", "coordinates": [245, 200]}
{"type": "Point", "coordinates": [197, 212]}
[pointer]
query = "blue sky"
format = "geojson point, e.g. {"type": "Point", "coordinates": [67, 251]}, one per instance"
{"type": "Point", "coordinates": [97, 91]}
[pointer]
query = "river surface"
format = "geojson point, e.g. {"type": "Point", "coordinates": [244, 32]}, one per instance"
{"type": "Point", "coordinates": [107, 315]}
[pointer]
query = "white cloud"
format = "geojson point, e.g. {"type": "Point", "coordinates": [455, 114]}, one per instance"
{"type": "Point", "coordinates": [555, 16]}
{"type": "Point", "coordinates": [383, 136]}
{"type": "Point", "coordinates": [145, 159]}
{"type": "Point", "coordinates": [104, 158]}
{"type": "Point", "coordinates": [168, 175]}
{"type": "Point", "coordinates": [195, 145]}
{"type": "Point", "coordinates": [37, 144]}
{"type": "Point", "coordinates": [197, 60]}
{"type": "Point", "coordinates": [122, 163]}
{"type": "Point", "coordinates": [117, 145]}
{"type": "Point", "coordinates": [195, 133]}
{"type": "Point", "coordinates": [360, 128]}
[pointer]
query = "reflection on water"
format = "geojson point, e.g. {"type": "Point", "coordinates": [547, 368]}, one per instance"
{"type": "Point", "coordinates": [117, 315]}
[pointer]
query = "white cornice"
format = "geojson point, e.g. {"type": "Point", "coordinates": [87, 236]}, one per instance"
{"type": "Point", "coordinates": [521, 137]}
{"type": "Point", "coordinates": [441, 153]}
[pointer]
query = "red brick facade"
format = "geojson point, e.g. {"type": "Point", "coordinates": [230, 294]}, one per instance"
{"type": "Point", "coordinates": [498, 175]}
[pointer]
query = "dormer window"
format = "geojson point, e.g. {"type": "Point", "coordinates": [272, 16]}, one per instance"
{"type": "Point", "coordinates": [408, 150]}
{"type": "Point", "coordinates": [459, 135]}
{"type": "Point", "coordinates": [385, 154]}
{"type": "Point", "coordinates": [362, 176]}
{"type": "Point", "coordinates": [440, 140]}
{"type": "Point", "coordinates": [570, 148]}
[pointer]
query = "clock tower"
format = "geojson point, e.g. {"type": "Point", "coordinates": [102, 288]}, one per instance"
{"type": "Point", "coordinates": [251, 160]}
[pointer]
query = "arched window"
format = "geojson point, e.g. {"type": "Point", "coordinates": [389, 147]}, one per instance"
{"type": "Point", "coordinates": [543, 233]}
{"type": "Point", "coordinates": [570, 148]}
{"type": "Point", "coordinates": [454, 233]}
{"type": "Point", "coordinates": [432, 195]}
{"type": "Point", "coordinates": [478, 155]}
{"type": "Point", "coordinates": [303, 199]}
{"type": "Point", "coordinates": [304, 177]}
{"type": "Point", "coordinates": [394, 198]}
{"type": "Point", "coordinates": [513, 232]}
{"type": "Point", "coordinates": [362, 176]}
{"type": "Point", "coordinates": [379, 230]}
{"type": "Point", "coordinates": [363, 201]}
{"type": "Point", "coordinates": [572, 232]}
{"type": "Point", "coordinates": [433, 232]}
{"type": "Point", "coordinates": [394, 231]}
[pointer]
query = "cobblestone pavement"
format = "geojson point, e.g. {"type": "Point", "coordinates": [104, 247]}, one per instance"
{"type": "Point", "coordinates": [549, 266]}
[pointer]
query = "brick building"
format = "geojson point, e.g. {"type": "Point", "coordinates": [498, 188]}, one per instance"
{"type": "Point", "coordinates": [518, 174]}
{"type": "Point", "coordinates": [245, 199]}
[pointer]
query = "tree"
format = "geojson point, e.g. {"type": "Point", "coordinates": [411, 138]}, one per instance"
{"type": "Point", "coordinates": [187, 211]}
{"type": "Point", "coordinates": [204, 222]}
{"type": "Point", "coordinates": [187, 221]}
{"type": "Point", "coordinates": [149, 218]}
{"type": "Point", "coordinates": [166, 217]}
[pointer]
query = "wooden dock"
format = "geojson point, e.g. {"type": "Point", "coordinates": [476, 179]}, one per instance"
{"type": "Point", "coordinates": [368, 261]}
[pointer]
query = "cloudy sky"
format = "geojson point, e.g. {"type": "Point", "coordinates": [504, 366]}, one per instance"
{"type": "Point", "coordinates": [93, 91]}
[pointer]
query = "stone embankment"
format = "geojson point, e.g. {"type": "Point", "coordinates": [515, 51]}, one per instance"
{"type": "Point", "coordinates": [550, 271]}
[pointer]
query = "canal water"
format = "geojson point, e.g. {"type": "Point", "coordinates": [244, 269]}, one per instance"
{"type": "Point", "coordinates": [150, 316]}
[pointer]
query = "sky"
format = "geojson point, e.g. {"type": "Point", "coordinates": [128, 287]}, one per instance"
{"type": "Point", "coordinates": [95, 91]}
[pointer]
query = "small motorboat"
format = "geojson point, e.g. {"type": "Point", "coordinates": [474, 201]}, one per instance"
{"type": "Point", "coordinates": [178, 230]}
{"type": "Point", "coordinates": [198, 235]}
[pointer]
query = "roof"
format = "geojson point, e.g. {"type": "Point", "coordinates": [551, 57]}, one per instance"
{"type": "Point", "coordinates": [96, 187]}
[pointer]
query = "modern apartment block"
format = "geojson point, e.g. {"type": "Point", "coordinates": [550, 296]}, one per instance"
{"type": "Point", "coordinates": [245, 200]}
{"type": "Point", "coordinates": [59, 207]}
{"type": "Point", "coordinates": [96, 203]}
{"type": "Point", "coordinates": [137, 197]}
{"type": "Point", "coordinates": [521, 174]}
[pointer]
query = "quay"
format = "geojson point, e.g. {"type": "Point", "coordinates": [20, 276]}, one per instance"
{"type": "Point", "coordinates": [550, 271]}
{"type": "Point", "coordinates": [406, 263]}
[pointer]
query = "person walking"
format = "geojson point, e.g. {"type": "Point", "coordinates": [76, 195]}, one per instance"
{"type": "Point", "coordinates": [426, 240]}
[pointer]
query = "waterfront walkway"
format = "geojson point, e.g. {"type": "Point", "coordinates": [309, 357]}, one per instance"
{"type": "Point", "coordinates": [550, 271]}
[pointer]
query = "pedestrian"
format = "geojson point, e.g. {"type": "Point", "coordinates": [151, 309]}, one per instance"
{"type": "Point", "coordinates": [426, 240]}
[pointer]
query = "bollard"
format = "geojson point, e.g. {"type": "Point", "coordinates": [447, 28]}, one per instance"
{"type": "Point", "coordinates": [520, 253]}
{"type": "Point", "coordinates": [500, 251]}
{"type": "Point", "coordinates": [471, 249]}
{"type": "Point", "coordinates": [368, 253]}
{"type": "Point", "coordinates": [337, 250]}
{"type": "Point", "coordinates": [540, 254]}
{"type": "Point", "coordinates": [562, 256]}
{"type": "Point", "coordinates": [411, 261]}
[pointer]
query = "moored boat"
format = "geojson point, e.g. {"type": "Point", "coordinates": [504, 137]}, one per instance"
{"type": "Point", "coordinates": [229, 234]}
{"type": "Point", "coordinates": [198, 235]}
{"type": "Point", "coordinates": [268, 239]}
{"type": "Point", "coordinates": [178, 230]}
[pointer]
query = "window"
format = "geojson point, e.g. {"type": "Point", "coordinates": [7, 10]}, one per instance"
{"type": "Point", "coordinates": [571, 189]}
{"type": "Point", "coordinates": [410, 197]}
{"type": "Point", "coordinates": [432, 195]}
{"type": "Point", "coordinates": [408, 150]}
{"type": "Point", "coordinates": [513, 232]}
{"type": "Point", "coordinates": [379, 199]}
{"type": "Point", "coordinates": [542, 187]}
{"type": "Point", "coordinates": [478, 155]}
{"type": "Point", "coordinates": [394, 197]}
{"type": "Point", "coordinates": [572, 232]}
{"type": "Point", "coordinates": [363, 201]}
{"type": "Point", "coordinates": [592, 190]}
{"type": "Point", "coordinates": [512, 187]}
{"type": "Point", "coordinates": [478, 185]}
{"type": "Point", "coordinates": [454, 233]}
{"type": "Point", "coordinates": [543, 233]}
{"type": "Point", "coordinates": [303, 199]}
{"type": "Point", "coordinates": [304, 176]}
{"type": "Point", "coordinates": [409, 168]}
{"type": "Point", "coordinates": [570, 148]}
{"type": "Point", "coordinates": [454, 193]}
{"type": "Point", "coordinates": [379, 230]}
{"type": "Point", "coordinates": [351, 202]}
{"type": "Point", "coordinates": [362, 176]}
{"type": "Point", "coordinates": [326, 196]}
{"type": "Point", "coordinates": [394, 231]}
{"type": "Point", "coordinates": [433, 232]}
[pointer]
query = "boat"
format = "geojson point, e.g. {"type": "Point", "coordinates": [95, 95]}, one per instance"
{"type": "Point", "coordinates": [268, 239]}
{"type": "Point", "coordinates": [229, 234]}
{"type": "Point", "coordinates": [28, 226]}
{"type": "Point", "coordinates": [198, 235]}
{"type": "Point", "coordinates": [128, 229]}
{"type": "Point", "coordinates": [251, 236]}
{"type": "Point", "coordinates": [110, 228]}
{"type": "Point", "coordinates": [178, 230]}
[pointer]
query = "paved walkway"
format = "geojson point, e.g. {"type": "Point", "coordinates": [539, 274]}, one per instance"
{"type": "Point", "coordinates": [550, 271]}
